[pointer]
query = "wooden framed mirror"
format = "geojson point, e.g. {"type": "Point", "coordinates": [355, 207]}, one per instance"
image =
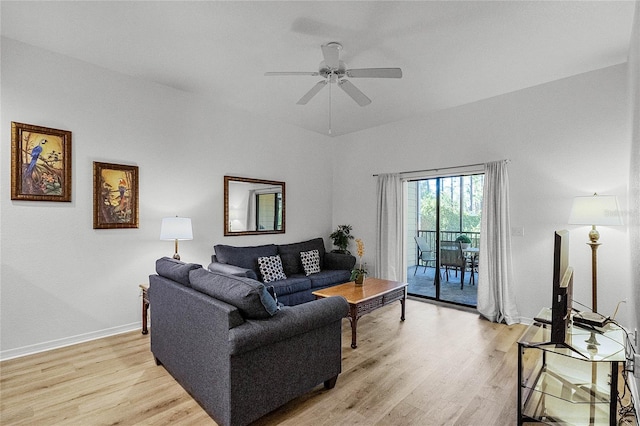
{"type": "Point", "coordinates": [253, 206]}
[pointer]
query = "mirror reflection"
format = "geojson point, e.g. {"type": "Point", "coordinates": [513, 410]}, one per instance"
{"type": "Point", "coordinates": [253, 206]}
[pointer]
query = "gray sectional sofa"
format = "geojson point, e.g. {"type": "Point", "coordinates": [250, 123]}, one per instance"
{"type": "Point", "coordinates": [233, 348]}
{"type": "Point", "coordinates": [335, 268]}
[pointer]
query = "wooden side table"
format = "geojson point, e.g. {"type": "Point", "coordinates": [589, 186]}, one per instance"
{"type": "Point", "coordinates": [145, 306]}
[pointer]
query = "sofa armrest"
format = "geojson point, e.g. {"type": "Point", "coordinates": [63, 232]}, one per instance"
{"type": "Point", "coordinates": [339, 261]}
{"type": "Point", "coordinates": [225, 268]}
{"type": "Point", "coordinates": [288, 322]}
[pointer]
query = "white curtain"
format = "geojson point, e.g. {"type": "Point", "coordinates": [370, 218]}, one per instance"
{"type": "Point", "coordinates": [634, 176]}
{"type": "Point", "coordinates": [389, 228]}
{"type": "Point", "coordinates": [496, 298]}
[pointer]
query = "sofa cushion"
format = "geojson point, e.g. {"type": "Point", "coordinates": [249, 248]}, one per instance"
{"type": "Point", "coordinates": [245, 257]}
{"type": "Point", "coordinates": [329, 277]}
{"type": "Point", "coordinates": [271, 268]}
{"type": "Point", "coordinates": [291, 285]}
{"type": "Point", "coordinates": [175, 270]}
{"type": "Point", "coordinates": [225, 268]}
{"type": "Point", "coordinates": [338, 261]}
{"type": "Point", "coordinates": [250, 296]}
{"type": "Point", "coordinates": [310, 262]}
{"type": "Point", "coordinates": [290, 254]}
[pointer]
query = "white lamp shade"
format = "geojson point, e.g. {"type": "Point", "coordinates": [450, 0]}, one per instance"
{"type": "Point", "coordinates": [176, 228]}
{"type": "Point", "coordinates": [595, 210]}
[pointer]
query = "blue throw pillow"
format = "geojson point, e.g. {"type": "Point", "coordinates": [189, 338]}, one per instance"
{"type": "Point", "coordinates": [249, 296]}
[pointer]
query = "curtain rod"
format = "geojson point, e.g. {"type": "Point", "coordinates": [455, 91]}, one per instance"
{"type": "Point", "coordinates": [439, 168]}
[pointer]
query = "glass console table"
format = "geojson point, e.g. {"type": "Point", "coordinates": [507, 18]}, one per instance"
{"type": "Point", "coordinates": [575, 384]}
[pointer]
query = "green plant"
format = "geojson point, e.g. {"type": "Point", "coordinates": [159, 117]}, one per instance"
{"type": "Point", "coordinates": [464, 239]}
{"type": "Point", "coordinates": [341, 237]}
{"type": "Point", "coordinates": [355, 273]}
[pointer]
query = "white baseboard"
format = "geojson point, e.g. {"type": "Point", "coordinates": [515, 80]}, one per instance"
{"type": "Point", "coordinates": [526, 320]}
{"type": "Point", "coordinates": [67, 341]}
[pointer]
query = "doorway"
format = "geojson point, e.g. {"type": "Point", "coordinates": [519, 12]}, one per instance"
{"type": "Point", "coordinates": [441, 263]}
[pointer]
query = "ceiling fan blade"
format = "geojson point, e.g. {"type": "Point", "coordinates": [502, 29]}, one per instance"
{"type": "Point", "coordinates": [331, 53]}
{"type": "Point", "coordinates": [355, 93]}
{"type": "Point", "coordinates": [311, 93]}
{"type": "Point", "coordinates": [268, 74]}
{"type": "Point", "coordinates": [375, 73]}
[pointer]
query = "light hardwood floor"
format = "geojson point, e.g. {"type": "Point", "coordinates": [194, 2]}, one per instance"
{"type": "Point", "coordinates": [441, 366]}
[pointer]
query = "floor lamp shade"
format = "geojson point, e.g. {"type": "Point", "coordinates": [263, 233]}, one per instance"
{"type": "Point", "coordinates": [176, 228]}
{"type": "Point", "coordinates": [595, 210]}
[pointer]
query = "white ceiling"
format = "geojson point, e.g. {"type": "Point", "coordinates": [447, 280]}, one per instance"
{"type": "Point", "coordinates": [451, 52]}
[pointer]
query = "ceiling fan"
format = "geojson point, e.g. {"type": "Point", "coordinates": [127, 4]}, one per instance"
{"type": "Point", "coordinates": [333, 70]}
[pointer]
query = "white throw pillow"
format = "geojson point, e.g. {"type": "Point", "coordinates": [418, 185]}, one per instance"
{"type": "Point", "coordinates": [310, 261]}
{"type": "Point", "coordinates": [271, 268]}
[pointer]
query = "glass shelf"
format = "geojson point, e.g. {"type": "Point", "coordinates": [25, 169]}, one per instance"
{"type": "Point", "coordinates": [572, 384]}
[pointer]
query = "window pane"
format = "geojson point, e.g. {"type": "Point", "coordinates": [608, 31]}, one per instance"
{"type": "Point", "coordinates": [450, 204]}
{"type": "Point", "coordinates": [427, 204]}
{"type": "Point", "coordinates": [266, 206]}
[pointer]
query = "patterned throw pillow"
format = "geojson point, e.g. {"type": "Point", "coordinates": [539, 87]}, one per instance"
{"type": "Point", "coordinates": [271, 268]}
{"type": "Point", "coordinates": [310, 261]}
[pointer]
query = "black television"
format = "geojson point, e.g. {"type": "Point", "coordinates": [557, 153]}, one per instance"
{"type": "Point", "coordinates": [562, 288]}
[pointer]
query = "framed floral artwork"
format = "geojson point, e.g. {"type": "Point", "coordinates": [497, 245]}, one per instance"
{"type": "Point", "coordinates": [115, 196]}
{"type": "Point", "coordinates": [40, 163]}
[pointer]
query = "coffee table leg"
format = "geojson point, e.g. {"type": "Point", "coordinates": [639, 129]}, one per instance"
{"type": "Point", "coordinates": [353, 318]}
{"type": "Point", "coordinates": [402, 302]}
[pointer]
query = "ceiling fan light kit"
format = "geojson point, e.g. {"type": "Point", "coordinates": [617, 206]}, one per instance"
{"type": "Point", "coordinates": [333, 70]}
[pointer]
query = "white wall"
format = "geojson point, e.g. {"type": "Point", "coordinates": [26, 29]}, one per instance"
{"type": "Point", "coordinates": [565, 138]}
{"type": "Point", "coordinates": [61, 280]}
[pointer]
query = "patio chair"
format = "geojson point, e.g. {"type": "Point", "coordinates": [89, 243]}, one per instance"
{"type": "Point", "coordinates": [426, 255]}
{"type": "Point", "coordinates": [474, 260]}
{"type": "Point", "coordinates": [451, 257]}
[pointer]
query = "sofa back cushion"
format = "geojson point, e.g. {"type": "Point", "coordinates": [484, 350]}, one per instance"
{"type": "Point", "coordinates": [250, 296]}
{"type": "Point", "coordinates": [290, 254]}
{"type": "Point", "coordinates": [175, 270]}
{"type": "Point", "coordinates": [244, 257]}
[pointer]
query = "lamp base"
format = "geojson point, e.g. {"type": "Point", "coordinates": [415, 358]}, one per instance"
{"type": "Point", "coordinates": [592, 344]}
{"type": "Point", "coordinates": [176, 256]}
{"type": "Point", "coordinates": [594, 275]}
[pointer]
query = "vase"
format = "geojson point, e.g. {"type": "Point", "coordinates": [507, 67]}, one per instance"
{"type": "Point", "coordinates": [359, 279]}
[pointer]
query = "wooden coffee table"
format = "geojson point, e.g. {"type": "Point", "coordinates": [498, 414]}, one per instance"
{"type": "Point", "coordinates": [373, 294]}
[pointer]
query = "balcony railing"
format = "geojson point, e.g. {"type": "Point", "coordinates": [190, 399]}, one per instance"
{"type": "Point", "coordinates": [430, 236]}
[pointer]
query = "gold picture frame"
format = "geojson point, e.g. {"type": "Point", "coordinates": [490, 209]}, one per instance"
{"type": "Point", "coordinates": [40, 163]}
{"type": "Point", "coordinates": [115, 196]}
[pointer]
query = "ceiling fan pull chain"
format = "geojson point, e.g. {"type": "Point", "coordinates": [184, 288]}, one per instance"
{"type": "Point", "coordinates": [329, 108]}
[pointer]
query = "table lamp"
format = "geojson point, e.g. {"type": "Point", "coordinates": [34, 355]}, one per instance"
{"type": "Point", "coordinates": [595, 210]}
{"type": "Point", "coordinates": [176, 228]}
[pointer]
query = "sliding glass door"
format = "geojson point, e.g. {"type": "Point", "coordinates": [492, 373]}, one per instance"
{"type": "Point", "coordinates": [443, 224]}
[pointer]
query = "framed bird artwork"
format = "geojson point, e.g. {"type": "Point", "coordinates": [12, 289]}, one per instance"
{"type": "Point", "coordinates": [115, 196]}
{"type": "Point", "coordinates": [40, 163]}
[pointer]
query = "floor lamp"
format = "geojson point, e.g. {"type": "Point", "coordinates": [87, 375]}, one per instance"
{"type": "Point", "coordinates": [176, 228]}
{"type": "Point", "coordinates": [595, 210]}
